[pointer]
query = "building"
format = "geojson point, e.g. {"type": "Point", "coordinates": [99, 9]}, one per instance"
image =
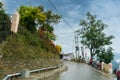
{"type": "Point", "coordinates": [68, 56]}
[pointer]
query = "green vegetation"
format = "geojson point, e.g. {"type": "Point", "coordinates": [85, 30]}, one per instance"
{"type": "Point", "coordinates": [46, 29]}
{"type": "Point", "coordinates": [95, 39]}
{"type": "Point", "coordinates": [4, 24]}
{"type": "Point", "coordinates": [27, 46]}
{"type": "Point", "coordinates": [35, 35]}
{"type": "Point", "coordinates": [30, 17]}
{"type": "Point", "coordinates": [106, 55]}
{"type": "Point", "coordinates": [58, 48]}
{"type": "Point", "coordinates": [32, 46]}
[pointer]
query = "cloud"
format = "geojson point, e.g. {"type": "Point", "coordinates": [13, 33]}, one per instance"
{"type": "Point", "coordinates": [73, 11]}
{"type": "Point", "coordinates": [65, 36]}
{"type": "Point", "coordinates": [109, 14]}
{"type": "Point", "coordinates": [107, 10]}
{"type": "Point", "coordinates": [1, 0]}
{"type": "Point", "coordinates": [67, 44]}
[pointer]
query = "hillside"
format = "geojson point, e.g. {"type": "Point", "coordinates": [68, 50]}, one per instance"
{"type": "Point", "coordinates": [26, 50]}
{"type": "Point", "coordinates": [27, 39]}
{"type": "Point", "coordinates": [26, 45]}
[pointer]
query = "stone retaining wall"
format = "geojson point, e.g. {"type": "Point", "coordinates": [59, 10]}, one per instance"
{"type": "Point", "coordinates": [8, 66]}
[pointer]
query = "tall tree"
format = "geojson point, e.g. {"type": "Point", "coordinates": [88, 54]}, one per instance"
{"type": "Point", "coordinates": [30, 17]}
{"type": "Point", "coordinates": [51, 18]}
{"type": "Point", "coordinates": [106, 55]}
{"type": "Point", "coordinates": [4, 23]}
{"type": "Point", "coordinates": [92, 34]}
{"type": "Point", "coordinates": [47, 27]}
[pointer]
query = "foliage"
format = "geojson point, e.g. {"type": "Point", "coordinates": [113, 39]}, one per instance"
{"type": "Point", "coordinates": [58, 48]}
{"type": "Point", "coordinates": [46, 29]}
{"type": "Point", "coordinates": [30, 17]}
{"type": "Point", "coordinates": [4, 23]}
{"type": "Point", "coordinates": [36, 17]}
{"type": "Point", "coordinates": [2, 11]}
{"type": "Point", "coordinates": [47, 33]}
{"type": "Point", "coordinates": [51, 18]}
{"type": "Point", "coordinates": [25, 45]}
{"type": "Point", "coordinates": [106, 55]}
{"type": "Point", "coordinates": [92, 34]}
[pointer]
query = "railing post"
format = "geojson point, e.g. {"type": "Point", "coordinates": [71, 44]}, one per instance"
{"type": "Point", "coordinates": [102, 65]}
{"type": "Point", "coordinates": [26, 73]}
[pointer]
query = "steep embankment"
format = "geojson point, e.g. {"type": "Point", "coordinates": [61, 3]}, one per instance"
{"type": "Point", "coordinates": [26, 50]}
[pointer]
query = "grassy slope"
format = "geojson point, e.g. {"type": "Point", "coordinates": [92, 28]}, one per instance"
{"type": "Point", "coordinates": [24, 49]}
{"type": "Point", "coordinates": [26, 45]}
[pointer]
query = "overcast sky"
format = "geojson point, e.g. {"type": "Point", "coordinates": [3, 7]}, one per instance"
{"type": "Point", "coordinates": [73, 11]}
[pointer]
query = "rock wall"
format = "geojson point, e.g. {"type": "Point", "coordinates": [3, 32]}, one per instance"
{"type": "Point", "coordinates": [8, 66]}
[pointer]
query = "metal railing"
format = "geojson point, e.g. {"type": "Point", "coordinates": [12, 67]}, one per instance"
{"type": "Point", "coordinates": [43, 69]}
{"type": "Point", "coordinates": [9, 76]}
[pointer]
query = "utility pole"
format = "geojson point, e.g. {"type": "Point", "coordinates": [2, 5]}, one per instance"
{"type": "Point", "coordinates": [77, 44]}
{"type": "Point", "coordinates": [82, 50]}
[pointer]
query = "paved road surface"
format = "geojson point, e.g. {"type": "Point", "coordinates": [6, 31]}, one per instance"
{"type": "Point", "coordinates": [78, 71]}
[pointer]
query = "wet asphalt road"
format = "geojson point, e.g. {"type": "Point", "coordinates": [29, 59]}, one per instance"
{"type": "Point", "coordinates": [78, 71]}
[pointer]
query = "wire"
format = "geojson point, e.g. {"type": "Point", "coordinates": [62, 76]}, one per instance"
{"type": "Point", "coordinates": [61, 37]}
{"type": "Point", "coordinates": [60, 14]}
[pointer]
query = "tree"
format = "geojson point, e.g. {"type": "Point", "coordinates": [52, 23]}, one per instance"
{"type": "Point", "coordinates": [92, 34]}
{"type": "Point", "coordinates": [4, 23]}
{"type": "Point", "coordinates": [106, 55]}
{"type": "Point", "coordinates": [51, 18]}
{"type": "Point", "coordinates": [47, 32]}
{"type": "Point", "coordinates": [46, 29]}
{"type": "Point", "coordinates": [31, 17]}
{"type": "Point", "coordinates": [58, 48]}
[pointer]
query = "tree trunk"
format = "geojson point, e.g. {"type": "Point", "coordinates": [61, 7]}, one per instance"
{"type": "Point", "coordinates": [91, 52]}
